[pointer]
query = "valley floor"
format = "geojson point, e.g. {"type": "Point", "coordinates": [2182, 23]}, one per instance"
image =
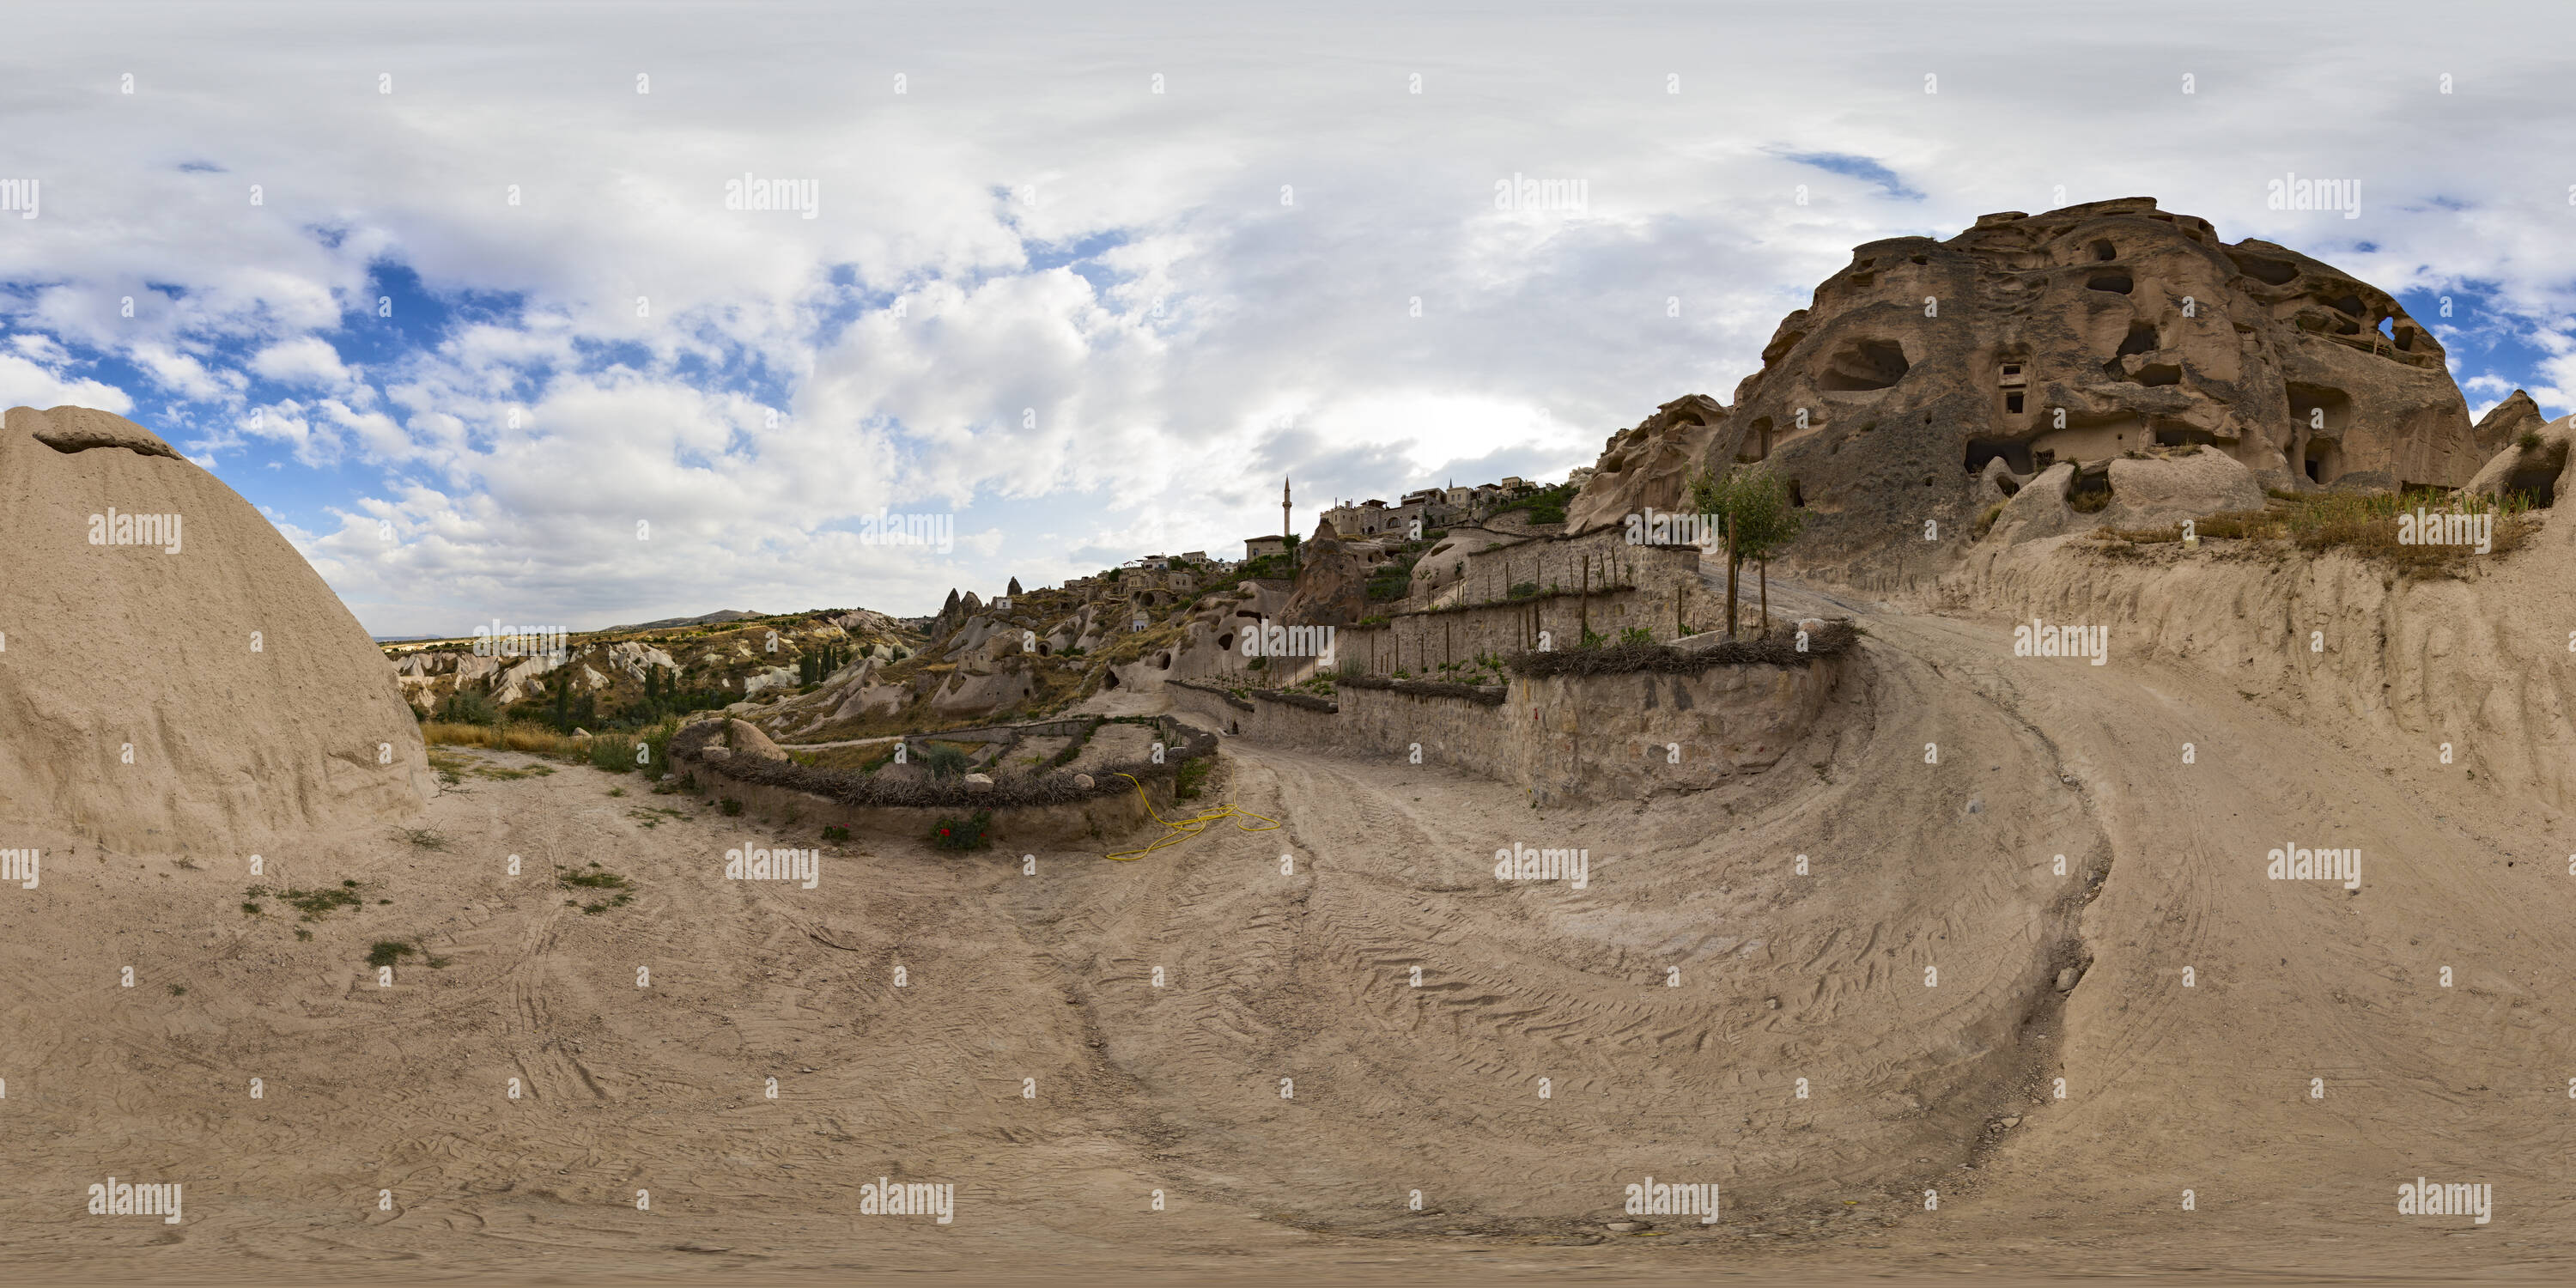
{"type": "Point", "coordinates": [1288, 1086]}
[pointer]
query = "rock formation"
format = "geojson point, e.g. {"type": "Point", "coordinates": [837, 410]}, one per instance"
{"type": "Point", "coordinates": [2164, 486]}
{"type": "Point", "coordinates": [176, 676]}
{"type": "Point", "coordinates": [1332, 582]}
{"type": "Point", "coordinates": [2538, 471]}
{"type": "Point", "coordinates": [2079, 335]}
{"type": "Point", "coordinates": [2507, 420]}
{"type": "Point", "coordinates": [1649, 465]}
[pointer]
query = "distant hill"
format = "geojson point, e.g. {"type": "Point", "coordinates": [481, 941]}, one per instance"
{"type": "Point", "coordinates": [711, 619]}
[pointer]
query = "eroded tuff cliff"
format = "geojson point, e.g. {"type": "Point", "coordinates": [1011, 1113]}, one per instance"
{"type": "Point", "coordinates": [2078, 335]}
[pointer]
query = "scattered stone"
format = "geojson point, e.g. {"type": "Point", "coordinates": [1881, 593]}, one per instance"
{"type": "Point", "coordinates": [2066, 979]}
{"type": "Point", "coordinates": [979, 782]}
{"type": "Point", "coordinates": [1624, 1227]}
{"type": "Point", "coordinates": [1771, 1003]}
{"type": "Point", "coordinates": [2010, 1123]}
{"type": "Point", "coordinates": [1082, 781]}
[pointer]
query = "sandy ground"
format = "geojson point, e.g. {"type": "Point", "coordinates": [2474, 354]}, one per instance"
{"type": "Point", "coordinates": [1545, 1060]}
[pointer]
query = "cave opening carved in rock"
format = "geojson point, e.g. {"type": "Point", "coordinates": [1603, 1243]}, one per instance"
{"type": "Point", "coordinates": [1864, 365]}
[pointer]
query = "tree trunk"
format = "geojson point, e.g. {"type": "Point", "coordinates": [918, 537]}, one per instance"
{"type": "Point", "coordinates": [1766, 597]}
{"type": "Point", "coordinates": [1732, 563]}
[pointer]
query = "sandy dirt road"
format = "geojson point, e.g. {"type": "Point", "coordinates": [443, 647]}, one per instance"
{"type": "Point", "coordinates": [1288, 1086]}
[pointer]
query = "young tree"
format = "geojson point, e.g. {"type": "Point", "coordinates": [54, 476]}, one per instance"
{"type": "Point", "coordinates": [1015, 588]}
{"type": "Point", "coordinates": [1751, 507]}
{"type": "Point", "coordinates": [1712, 497]}
{"type": "Point", "coordinates": [1767, 522]}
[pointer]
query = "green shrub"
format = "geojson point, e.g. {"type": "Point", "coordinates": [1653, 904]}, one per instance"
{"type": "Point", "coordinates": [469, 706]}
{"type": "Point", "coordinates": [944, 761]}
{"type": "Point", "coordinates": [2528, 440]}
{"type": "Point", "coordinates": [616, 755]}
{"type": "Point", "coordinates": [974, 832]}
{"type": "Point", "coordinates": [657, 746]}
{"type": "Point", "coordinates": [836, 834]}
{"type": "Point", "coordinates": [730, 806]}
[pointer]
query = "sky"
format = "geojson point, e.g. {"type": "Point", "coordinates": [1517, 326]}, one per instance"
{"type": "Point", "coordinates": [454, 293]}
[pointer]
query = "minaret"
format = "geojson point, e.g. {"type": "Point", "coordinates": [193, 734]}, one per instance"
{"type": "Point", "coordinates": [1286, 527]}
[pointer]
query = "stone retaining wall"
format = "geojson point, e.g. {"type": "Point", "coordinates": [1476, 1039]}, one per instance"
{"type": "Point", "coordinates": [1565, 738]}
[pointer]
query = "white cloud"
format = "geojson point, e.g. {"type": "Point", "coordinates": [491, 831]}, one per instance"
{"type": "Point", "coordinates": [1222, 338]}
{"type": "Point", "coordinates": [26, 384]}
{"type": "Point", "coordinates": [305, 360]}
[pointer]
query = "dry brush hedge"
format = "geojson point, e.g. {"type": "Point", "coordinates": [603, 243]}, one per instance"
{"type": "Point", "coordinates": [1309, 701]}
{"type": "Point", "coordinates": [1486, 694]}
{"type": "Point", "coordinates": [1834, 639]}
{"type": "Point", "coordinates": [1182, 745]}
{"type": "Point", "coordinates": [1219, 690]}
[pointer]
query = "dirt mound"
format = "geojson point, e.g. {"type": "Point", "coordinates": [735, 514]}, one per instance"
{"type": "Point", "coordinates": [175, 675]}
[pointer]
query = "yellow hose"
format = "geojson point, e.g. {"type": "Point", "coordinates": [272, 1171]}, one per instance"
{"type": "Point", "coordinates": [1186, 828]}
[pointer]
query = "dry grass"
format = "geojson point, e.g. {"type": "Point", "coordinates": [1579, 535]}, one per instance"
{"type": "Point", "coordinates": [536, 740]}
{"type": "Point", "coordinates": [2359, 523]}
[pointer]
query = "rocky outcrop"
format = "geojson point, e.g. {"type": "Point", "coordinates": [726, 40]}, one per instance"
{"type": "Point", "coordinates": [746, 739]}
{"type": "Point", "coordinates": [2540, 471]}
{"type": "Point", "coordinates": [2507, 421]}
{"type": "Point", "coordinates": [2153, 490]}
{"type": "Point", "coordinates": [177, 676]}
{"type": "Point", "coordinates": [1332, 583]}
{"type": "Point", "coordinates": [1441, 567]}
{"type": "Point", "coordinates": [2079, 335]}
{"type": "Point", "coordinates": [1649, 465]}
